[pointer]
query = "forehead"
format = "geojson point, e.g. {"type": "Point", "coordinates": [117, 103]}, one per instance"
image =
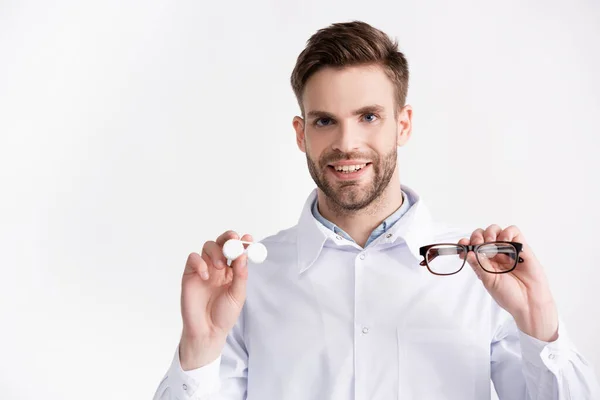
{"type": "Point", "coordinates": [342, 90]}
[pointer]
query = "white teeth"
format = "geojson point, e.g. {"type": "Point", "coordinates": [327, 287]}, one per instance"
{"type": "Point", "coordinates": [349, 168]}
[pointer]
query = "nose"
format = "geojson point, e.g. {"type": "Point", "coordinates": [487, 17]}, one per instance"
{"type": "Point", "coordinates": [347, 138]}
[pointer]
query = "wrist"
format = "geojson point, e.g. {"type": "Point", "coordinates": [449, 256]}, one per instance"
{"type": "Point", "coordinates": [196, 352]}
{"type": "Point", "coordinates": [539, 321]}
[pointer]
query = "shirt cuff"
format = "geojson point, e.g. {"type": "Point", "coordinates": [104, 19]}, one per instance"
{"type": "Point", "coordinates": [194, 383]}
{"type": "Point", "coordinates": [547, 355]}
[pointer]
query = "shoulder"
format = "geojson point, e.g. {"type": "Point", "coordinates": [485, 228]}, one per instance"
{"type": "Point", "coordinates": [284, 236]}
{"type": "Point", "coordinates": [282, 252]}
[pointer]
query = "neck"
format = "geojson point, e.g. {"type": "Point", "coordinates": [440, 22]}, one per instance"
{"type": "Point", "coordinates": [359, 224]}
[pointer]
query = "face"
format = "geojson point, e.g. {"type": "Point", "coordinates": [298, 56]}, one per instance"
{"type": "Point", "coordinates": [350, 133]}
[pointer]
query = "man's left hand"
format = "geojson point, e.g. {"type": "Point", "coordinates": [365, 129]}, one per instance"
{"type": "Point", "coordinates": [524, 292]}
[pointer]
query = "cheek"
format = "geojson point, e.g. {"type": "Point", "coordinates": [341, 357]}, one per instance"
{"type": "Point", "coordinates": [315, 145]}
{"type": "Point", "coordinates": [382, 135]}
{"type": "Point", "coordinates": [391, 140]}
{"type": "Point", "coordinates": [384, 146]}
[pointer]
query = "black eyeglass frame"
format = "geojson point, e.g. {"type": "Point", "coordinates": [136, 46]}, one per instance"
{"type": "Point", "coordinates": [424, 249]}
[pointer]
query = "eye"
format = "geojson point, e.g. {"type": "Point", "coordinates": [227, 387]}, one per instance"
{"type": "Point", "coordinates": [323, 121]}
{"type": "Point", "coordinates": [370, 117]}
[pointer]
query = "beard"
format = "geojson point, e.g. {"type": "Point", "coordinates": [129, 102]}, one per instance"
{"type": "Point", "coordinates": [344, 197]}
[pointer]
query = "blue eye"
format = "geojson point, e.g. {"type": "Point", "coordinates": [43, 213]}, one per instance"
{"type": "Point", "coordinates": [370, 117]}
{"type": "Point", "coordinates": [323, 121]}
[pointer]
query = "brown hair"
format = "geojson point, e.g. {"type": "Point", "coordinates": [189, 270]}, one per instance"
{"type": "Point", "coordinates": [348, 44]}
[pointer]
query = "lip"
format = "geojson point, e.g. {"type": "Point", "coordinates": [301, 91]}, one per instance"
{"type": "Point", "coordinates": [350, 176]}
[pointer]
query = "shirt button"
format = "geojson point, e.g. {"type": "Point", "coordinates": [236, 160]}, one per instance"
{"type": "Point", "coordinates": [184, 386]}
{"type": "Point", "coordinates": [362, 256]}
{"type": "Point", "coordinates": [365, 330]}
{"type": "Point", "coordinates": [551, 356]}
{"type": "Point", "coordinates": [389, 235]}
{"type": "Point", "coordinates": [338, 237]}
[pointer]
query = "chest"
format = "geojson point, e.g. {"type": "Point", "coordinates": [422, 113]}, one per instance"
{"type": "Point", "coordinates": [371, 321]}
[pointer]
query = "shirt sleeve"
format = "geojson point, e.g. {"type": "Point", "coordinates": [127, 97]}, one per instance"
{"type": "Point", "coordinates": [223, 379]}
{"type": "Point", "coordinates": [526, 368]}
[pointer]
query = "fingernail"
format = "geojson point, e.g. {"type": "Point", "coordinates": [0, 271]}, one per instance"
{"type": "Point", "coordinates": [204, 275]}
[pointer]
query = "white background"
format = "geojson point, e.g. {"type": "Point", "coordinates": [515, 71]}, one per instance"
{"type": "Point", "coordinates": [132, 132]}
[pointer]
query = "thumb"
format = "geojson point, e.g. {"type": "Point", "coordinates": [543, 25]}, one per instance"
{"type": "Point", "coordinates": [240, 274]}
{"type": "Point", "coordinates": [472, 260]}
{"type": "Point", "coordinates": [240, 277]}
{"type": "Point", "coordinates": [486, 278]}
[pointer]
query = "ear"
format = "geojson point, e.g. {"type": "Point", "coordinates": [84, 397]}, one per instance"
{"type": "Point", "coordinates": [298, 123]}
{"type": "Point", "coordinates": [404, 124]}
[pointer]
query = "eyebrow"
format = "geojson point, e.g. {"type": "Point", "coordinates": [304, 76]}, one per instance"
{"type": "Point", "coordinates": [374, 108]}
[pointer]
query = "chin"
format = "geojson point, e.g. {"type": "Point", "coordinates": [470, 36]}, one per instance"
{"type": "Point", "coordinates": [355, 200]}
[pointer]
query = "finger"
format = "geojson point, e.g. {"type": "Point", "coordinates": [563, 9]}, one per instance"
{"type": "Point", "coordinates": [245, 238]}
{"type": "Point", "coordinates": [514, 234]}
{"type": "Point", "coordinates": [226, 236]}
{"type": "Point", "coordinates": [240, 274]}
{"type": "Point", "coordinates": [215, 253]}
{"type": "Point", "coordinates": [491, 233]}
{"type": "Point", "coordinates": [482, 262]}
{"type": "Point", "coordinates": [196, 265]}
{"type": "Point", "coordinates": [509, 234]}
{"type": "Point", "coordinates": [477, 236]}
{"type": "Point", "coordinates": [472, 261]}
{"type": "Point", "coordinates": [479, 265]}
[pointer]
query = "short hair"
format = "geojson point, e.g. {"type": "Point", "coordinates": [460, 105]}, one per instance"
{"type": "Point", "coordinates": [347, 44]}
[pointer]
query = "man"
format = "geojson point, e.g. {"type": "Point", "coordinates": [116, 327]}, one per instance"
{"type": "Point", "coordinates": [342, 308]}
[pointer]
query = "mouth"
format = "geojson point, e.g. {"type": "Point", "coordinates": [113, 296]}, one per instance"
{"type": "Point", "coordinates": [349, 171]}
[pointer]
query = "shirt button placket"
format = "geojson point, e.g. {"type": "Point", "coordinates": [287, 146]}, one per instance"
{"type": "Point", "coordinates": [361, 337]}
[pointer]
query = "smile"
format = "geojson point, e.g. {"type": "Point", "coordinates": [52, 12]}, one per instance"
{"type": "Point", "coordinates": [349, 168]}
{"type": "Point", "coordinates": [349, 172]}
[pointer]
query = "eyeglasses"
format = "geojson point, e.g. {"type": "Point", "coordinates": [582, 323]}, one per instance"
{"type": "Point", "coordinates": [450, 258]}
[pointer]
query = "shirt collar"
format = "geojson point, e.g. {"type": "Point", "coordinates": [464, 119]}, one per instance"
{"type": "Point", "coordinates": [384, 226]}
{"type": "Point", "coordinates": [415, 228]}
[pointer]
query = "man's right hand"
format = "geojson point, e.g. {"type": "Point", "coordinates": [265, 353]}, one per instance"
{"type": "Point", "coordinates": [212, 296]}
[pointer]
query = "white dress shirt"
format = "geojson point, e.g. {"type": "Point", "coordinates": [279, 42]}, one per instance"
{"type": "Point", "coordinates": [327, 319]}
